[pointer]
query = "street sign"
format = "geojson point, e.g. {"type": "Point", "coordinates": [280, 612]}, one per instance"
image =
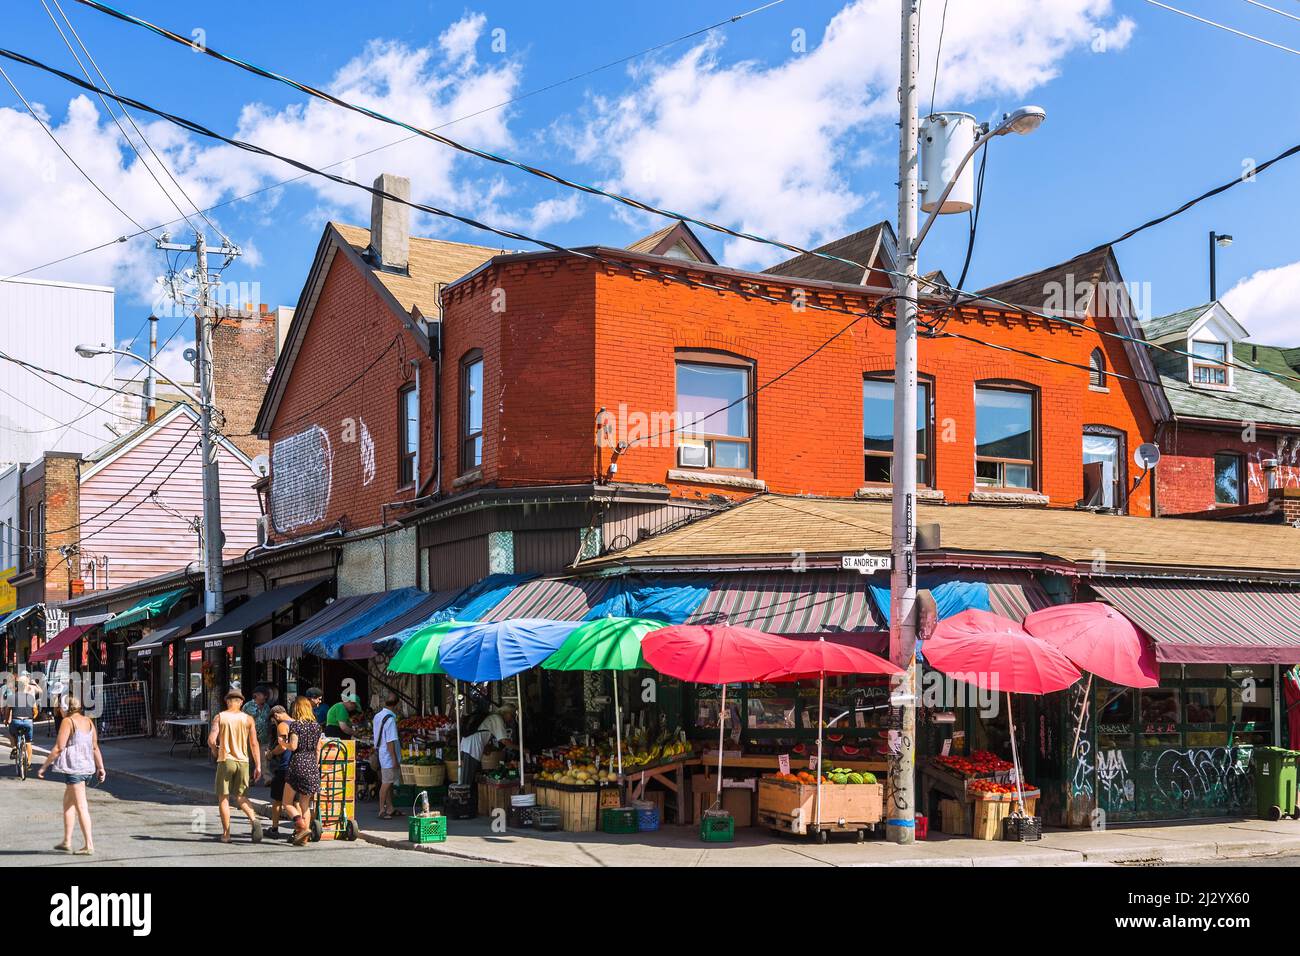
{"type": "Point", "coordinates": [866, 563]}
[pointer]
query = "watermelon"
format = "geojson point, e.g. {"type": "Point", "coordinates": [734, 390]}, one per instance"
{"type": "Point", "coordinates": [855, 778]}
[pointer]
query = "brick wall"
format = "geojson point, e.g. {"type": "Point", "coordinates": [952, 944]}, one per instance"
{"type": "Point", "coordinates": [244, 347]}
{"type": "Point", "coordinates": [335, 437]}
{"type": "Point", "coordinates": [1185, 475]}
{"type": "Point", "coordinates": [62, 520]}
{"type": "Point", "coordinates": [576, 337]}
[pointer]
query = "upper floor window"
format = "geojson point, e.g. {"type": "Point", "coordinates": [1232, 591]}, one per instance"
{"type": "Point", "coordinates": [1005, 437]}
{"type": "Point", "coordinates": [1097, 369]}
{"type": "Point", "coordinates": [1210, 366]}
{"type": "Point", "coordinates": [471, 411]}
{"type": "Point", "coordinates": [1103, 468]}
{"type": "Point", "coordinates": [878, 430]}
{"type": "Point", "coordinates": [1227, 479]}
{"type": "Point", "coordinates": [715, 412]}
{"type": "Point", "coordinates": [408, 420]}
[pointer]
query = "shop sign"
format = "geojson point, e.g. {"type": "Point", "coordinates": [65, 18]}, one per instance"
{"type": "Point", "coordinates": [8, 594]}
{"type": "Point", "coordinates": [866, 563]}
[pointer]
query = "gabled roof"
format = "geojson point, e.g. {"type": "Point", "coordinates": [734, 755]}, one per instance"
{"type": "Point", "coordinates": [865, 247]}
{"type": "Point", "coordinates": [1255, 397]}
{"type": "Point", "coordinates": [105, 455]}
{"type": "Point", "coordinates": [661, 242]}
{"type": "Point", "coordinates": [412, 295]}
{"type": "Point", "coordinates": [1039, 289]}
{"type": "Point", "coordinates": [762, 531]}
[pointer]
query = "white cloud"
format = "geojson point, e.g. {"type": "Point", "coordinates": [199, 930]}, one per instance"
{"type": "Point", "coordinates": [768, 149]}
{"type": "Point", "coordinates": [1265, 303]}
{"type": "Point", "coordinates": [51, 211]}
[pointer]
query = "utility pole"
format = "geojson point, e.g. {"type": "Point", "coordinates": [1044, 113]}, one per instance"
{"type": "Point", "coordinates": [213, 539]}
{"type": "Point", "coordinates": [900, 814]}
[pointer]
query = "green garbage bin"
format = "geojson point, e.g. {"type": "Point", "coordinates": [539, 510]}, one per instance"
{"type": "Point", "coordinates": [1275, 782]}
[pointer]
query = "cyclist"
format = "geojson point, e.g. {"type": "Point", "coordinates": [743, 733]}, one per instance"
{"type": "Point", "coordinates": [20, 710]}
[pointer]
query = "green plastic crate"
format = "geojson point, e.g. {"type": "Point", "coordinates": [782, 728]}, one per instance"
{"type": "Point", "coordinates": [717, 826]}
{"type": "Point", "coordinates": [426, 829]}
{"type": "Point", "coordinates": [618, 819]}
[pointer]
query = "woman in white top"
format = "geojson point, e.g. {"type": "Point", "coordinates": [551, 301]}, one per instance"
{"type": "Point", "coordinates": [76, 755]}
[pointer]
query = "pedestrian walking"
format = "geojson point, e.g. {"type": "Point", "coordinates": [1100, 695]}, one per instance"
{"type": "Point", "coordinates": [76, 755]}
{"type": "Point", "coordinates": [279, 762]}
{"type": "Point", "coordinates": [259, 708]}
{"type": "Point", "coordinates": [302, 776]}
{"type": "Point", "coordinates": [389, 754]}
{"type": "Point", "coordinates": [233, 742]}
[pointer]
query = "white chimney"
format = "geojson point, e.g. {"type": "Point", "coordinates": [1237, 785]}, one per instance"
{"type": "Point", "coordinates": [390, 224]}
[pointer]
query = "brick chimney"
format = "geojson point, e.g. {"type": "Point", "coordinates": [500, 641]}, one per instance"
{"type": "Point", "coordinates": [244, 349]}
{"type": "Point", "coordinates": [390, 224]}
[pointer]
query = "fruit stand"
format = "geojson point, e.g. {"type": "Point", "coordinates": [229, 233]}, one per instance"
{"type": "Point", "coordinates": [972, 791]}
{"type": "Point", "coordinates": [852, 802]}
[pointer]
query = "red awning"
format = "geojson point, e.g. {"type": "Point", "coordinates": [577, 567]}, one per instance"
{"type": "Point", "coordinates": [53, 649]}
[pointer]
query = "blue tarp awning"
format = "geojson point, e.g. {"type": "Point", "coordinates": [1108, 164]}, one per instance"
{"type": "Point", "coordinates": [669, 598]}
{"type": "Point", "coordinates": [13, 617]}
{"type": "Point", "coordinates": [468, 605]}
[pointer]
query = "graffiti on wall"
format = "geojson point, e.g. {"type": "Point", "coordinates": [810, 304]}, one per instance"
{"type": "Point", "coordinates": [1082, 772]}
{"type": "Point", "coordinates": [301, 478]}
{"type": "Point", "coordinates": [367, 455]}
{"type": "Point", "coordinates": [1114, 784]}
{"type": "Point", "coordinates": [1196, 781]}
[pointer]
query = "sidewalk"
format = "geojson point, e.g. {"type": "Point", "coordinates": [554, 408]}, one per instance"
{"type": "Point", "coordinates": [148, 762]}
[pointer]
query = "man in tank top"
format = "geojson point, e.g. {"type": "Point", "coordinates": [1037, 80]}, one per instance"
{"type": "Point", "coordinates": [233, 742]}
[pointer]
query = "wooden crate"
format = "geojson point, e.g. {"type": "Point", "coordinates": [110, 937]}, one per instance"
{"type": "Point", "coordinates": [579, 806]}
{"type": "Point", "coordinates": [989, 813]}
{"type": "Point", "coordinates": [952, 817]}
{"type": "Point", "coordinates": [792, 807]}
{"type": "Point", "coordinates": [495, 796]}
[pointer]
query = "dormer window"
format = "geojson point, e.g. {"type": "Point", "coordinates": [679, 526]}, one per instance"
{"type": "Point", "coordinates": [1210, 364]}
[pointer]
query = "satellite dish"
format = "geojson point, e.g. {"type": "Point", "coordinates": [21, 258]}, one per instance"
{"type": "Point", "coordinates": [190, 355]}
{"type": "Point", "coordinates": [1146, 456]}
{"type": "Point", "coordinates": [262, 465]}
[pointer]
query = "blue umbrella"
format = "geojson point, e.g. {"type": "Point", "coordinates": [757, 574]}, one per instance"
{"type": "Point", "coordinates": [499, 649]}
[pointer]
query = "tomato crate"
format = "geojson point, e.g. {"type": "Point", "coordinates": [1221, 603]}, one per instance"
{"type": "Point", "coordinates": [430, 829]}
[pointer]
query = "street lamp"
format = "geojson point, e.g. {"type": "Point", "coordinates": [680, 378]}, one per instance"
{"type": "Point", "coordinates": [1220, 241]}
{"type": "Point", "coordinates": [213, 586]}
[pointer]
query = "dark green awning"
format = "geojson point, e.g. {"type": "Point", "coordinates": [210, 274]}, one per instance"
{"type": "Point", "coordinates": [146, 610]}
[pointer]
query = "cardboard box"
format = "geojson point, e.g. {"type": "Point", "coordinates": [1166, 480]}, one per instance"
{"type": "Point", "coordinates": [739, 803]}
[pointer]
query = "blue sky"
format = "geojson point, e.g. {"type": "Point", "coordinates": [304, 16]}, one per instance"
{"type": "Point", "coordinates": [738, 127]}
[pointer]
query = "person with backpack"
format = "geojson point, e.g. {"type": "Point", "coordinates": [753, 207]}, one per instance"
{"type": "Point", "coordinates": [388, 754]}
{"type": "Point", "coordinates": [492, 728]}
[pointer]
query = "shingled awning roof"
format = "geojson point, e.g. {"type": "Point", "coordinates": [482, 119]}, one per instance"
{"type": "Point", "coordinates": [764, 531]}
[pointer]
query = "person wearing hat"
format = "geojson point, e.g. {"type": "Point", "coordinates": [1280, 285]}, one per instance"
{"type": "Point", "coordinates": [233, 742]}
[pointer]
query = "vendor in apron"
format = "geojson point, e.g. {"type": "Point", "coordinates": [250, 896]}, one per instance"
{"type": "Point", "coordinates": [493, 730]}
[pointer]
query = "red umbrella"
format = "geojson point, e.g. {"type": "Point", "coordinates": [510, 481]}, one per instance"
{"type": "Point", "coordinates": [717, 654]}
{"type": "Point", "coordinates": [990, 651]}
{"type": "Point", "coordinates": [1098, 638]}
{"type": "Point", "coordinates": [816, 659]}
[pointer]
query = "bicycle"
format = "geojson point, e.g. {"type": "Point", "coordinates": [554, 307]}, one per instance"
{"type": "Point", "coordinates": [21, 756]}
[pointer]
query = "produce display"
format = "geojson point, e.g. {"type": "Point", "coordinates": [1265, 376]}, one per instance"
{"type": "Point", "coordinates": [991, 788]}
{"type": "Point", "coordinates": [422, 726]}
{"type": "Point", "coordinates": [981, 763]}
{"type": "Point", "coordinates": [577, 775]}
{"type": "Point", "coordinates": [803, 776]}
{"type": "Point", "coordinates": [837, 775]}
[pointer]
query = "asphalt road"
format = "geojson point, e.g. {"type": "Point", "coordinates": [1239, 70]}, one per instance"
{"type": "Point", "coordinates": [136, 824]}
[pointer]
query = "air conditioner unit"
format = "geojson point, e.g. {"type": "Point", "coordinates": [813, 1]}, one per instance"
{"type": "Point", "coordinates": [693, 456]}
{"type": "Point", "coordinates": [262, 529]}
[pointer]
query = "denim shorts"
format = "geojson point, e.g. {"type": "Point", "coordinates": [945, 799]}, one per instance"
{"type": "Point", "coordinates": [72, 779]}
{"type": "Point", "coordinates": [24, 725]}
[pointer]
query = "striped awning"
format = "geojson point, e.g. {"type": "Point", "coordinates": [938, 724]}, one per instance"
{"type": "Point", "coordinates": [365, 646]}
{"type": "Point", "coordinates": [1214, 623]}
{"type": "Point", "coordinates": [555, 599]}
{"type": "Point", "coordinates": [1015, 594]}
{"type": "Point", "coordinates": [789, 603]}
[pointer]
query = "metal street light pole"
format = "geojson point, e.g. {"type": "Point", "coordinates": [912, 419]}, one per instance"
{"type": "Point", "coordinates": [1216, 240]}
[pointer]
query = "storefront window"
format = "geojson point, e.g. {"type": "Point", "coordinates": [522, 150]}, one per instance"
{"type": "Point", "coordinates": [1159, 712]}
{"type": "Point", "coordinates": [1207, 705]}
{"type": "Point", "coordinates": [195, 674]}
{"type": "Point", "coordinates": [1251, 705]}
{"type": "Point", "coordinates": [769, 710]}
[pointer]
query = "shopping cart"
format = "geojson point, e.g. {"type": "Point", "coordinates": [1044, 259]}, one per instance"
{"type": "Point", "coordinates": [335, 816]}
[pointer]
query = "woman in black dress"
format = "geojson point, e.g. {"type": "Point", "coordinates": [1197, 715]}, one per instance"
{"type": "Point", "coordinates": [302, 776]}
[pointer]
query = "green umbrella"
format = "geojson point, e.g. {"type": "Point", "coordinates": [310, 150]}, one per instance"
{"type": "Point", "coordinates": [419, 655]}
{"type": "Point", "coordinates": [605, 644]}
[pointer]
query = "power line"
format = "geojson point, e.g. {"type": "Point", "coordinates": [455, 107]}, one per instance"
{"type": "Point", "coordinates": [50, 133]}
{"type": "Point", "coordinates": [454, 144]}
{"type": "Point", "coordinates": [943, 22]}
{"type": "Point", "coordinates": [406, 139]}
{"type": "Point", "coordinates": [1280, 13]}
{"type": "Point", "coordinates": [1213, 23]}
